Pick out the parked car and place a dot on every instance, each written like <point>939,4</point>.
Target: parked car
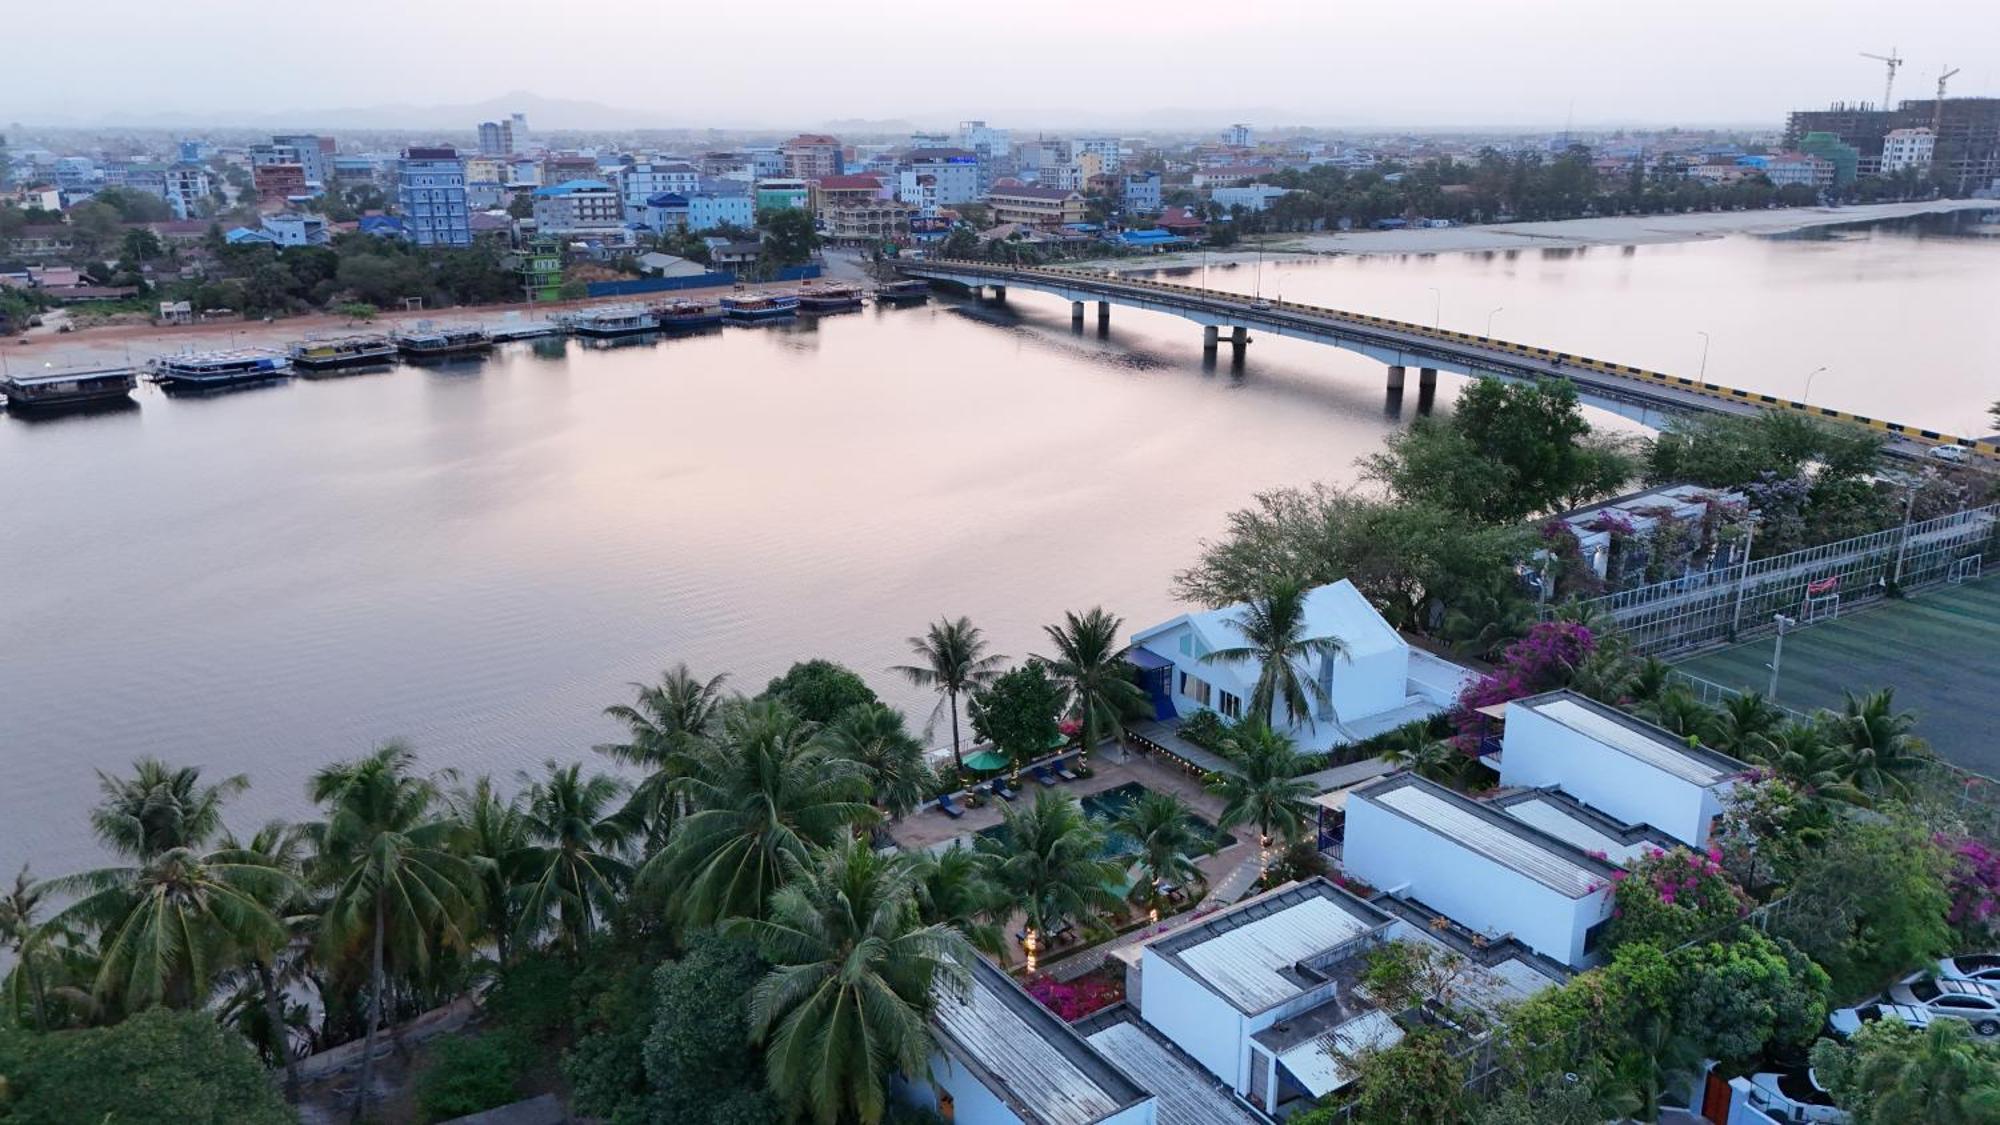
<point>1847,1021</point>
<point>1971,966</point>
<point>1955,454</point>
<point>1975,1002</point>
<point>1794,1097</point>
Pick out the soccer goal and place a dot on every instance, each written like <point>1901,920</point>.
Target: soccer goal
<point>1964,570</point>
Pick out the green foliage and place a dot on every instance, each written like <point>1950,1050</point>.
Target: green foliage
<point>1740,997</point>
<point>1811,481</point>
<point>960,243</point>
<point>697,1061</point>
<point>1205,728</point>
<point>533,996</point>
<point>1018,712</point>
<point>155,1066</point>
<point>819,691</point>
<point>1418,1081</point>
<point>1667,898</point>
<point>1090,666</point>
<point>1265,790</point>
<point>951,660</point>
<point>789,236</point>
<point>356,310</point>
<point>899,776</point>
<point>1047,864</point>
<point>1870,901</point>
<point>470,1073</point>
<point>1273,632</point>
<point>1891,1073</point>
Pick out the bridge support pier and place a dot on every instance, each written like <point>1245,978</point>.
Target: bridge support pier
<point>1076,314</point>
<point>1239,339</point>
<point>1208,340</point>
<point>1427,380</point>
<point>1396,377</point>
<point>1103,315</point>
<point>999,294</point>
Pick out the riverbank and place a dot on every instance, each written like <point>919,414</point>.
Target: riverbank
<point>1622,230</point>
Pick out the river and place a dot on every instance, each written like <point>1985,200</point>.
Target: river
<point>479,559</point>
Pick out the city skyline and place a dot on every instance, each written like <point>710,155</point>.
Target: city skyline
<point>1437,64</point>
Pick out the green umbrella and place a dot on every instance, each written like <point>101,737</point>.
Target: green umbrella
<point>987,760</point>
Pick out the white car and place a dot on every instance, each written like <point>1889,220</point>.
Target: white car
<point>1975,1002</point>
<point>1955,454</point>
<point>1265,306</point>
<point>1795,1098</point>
<point>1847,1021</point>
<point>1971,966</point>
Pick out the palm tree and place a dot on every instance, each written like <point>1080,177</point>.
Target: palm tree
<point>1411,747</point>
<point>664,724</point>
<point>764,790</point>
<point>853,980</point>
<point>1265,790</point>
<point>1274,632</point>
<point>281,847</point>
<point>496,836</point>
<point>1744,721</point>
<point>1650,680</point>
<point>572,867</point>
<point>873,734</point>
<point>168,927</point>
<point>1884,752</point>
<point>1164,828</point>
<point>1677,710</point>
<point>953,661</point>
<point>160,808</point>
<point>20,934</point>
<point>1090,664</point>
<point>397,870</point>
<point>1049,863</point>
<point>953,890</point>
<point>1802,752</point>
<point>1608,674</point>
<point>1939,1081</point>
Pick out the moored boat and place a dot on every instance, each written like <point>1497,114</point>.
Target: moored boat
<point>685,315</point>
<point>836,297</point>
<point>612,320</point>
<point>204,371</point>
<point>342,351</point>
<point>432,342</point>
<point>65,390</point>
<point>907,291</point>
<point>752,307</point>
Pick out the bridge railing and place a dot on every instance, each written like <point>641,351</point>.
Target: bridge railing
<point>1915,434</point>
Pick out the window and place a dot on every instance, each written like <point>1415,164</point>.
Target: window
<point>1195,689</point>
<point>1231,707</point>
<point>1594,936</point>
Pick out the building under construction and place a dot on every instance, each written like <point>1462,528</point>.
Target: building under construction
<point>1967,154</point>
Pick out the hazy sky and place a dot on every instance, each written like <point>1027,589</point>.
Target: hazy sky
<point>1020,63</point>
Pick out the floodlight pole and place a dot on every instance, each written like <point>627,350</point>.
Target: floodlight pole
<point>1777,654</point>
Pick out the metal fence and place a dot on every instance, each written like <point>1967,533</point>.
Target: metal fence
<point>1682,614</point>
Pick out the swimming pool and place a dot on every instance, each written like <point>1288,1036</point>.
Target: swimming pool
<point>1107,806</point>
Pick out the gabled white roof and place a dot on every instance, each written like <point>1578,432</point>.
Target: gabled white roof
<point>1248,962</point>
<point>1324,1063</point>
<point>1335,610</point>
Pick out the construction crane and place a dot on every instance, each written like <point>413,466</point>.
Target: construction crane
<point>1937,111</point>
<point>1892,61</point>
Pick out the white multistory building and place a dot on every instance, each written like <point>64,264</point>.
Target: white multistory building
<point>1908,148</point>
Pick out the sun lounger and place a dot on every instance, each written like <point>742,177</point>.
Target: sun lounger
<point>1003,790</point>
<point>946,806</point>
<point>1063,771</point>
<point>1043,775</point>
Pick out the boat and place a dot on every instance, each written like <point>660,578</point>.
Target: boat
<point>612,320</point>
<point>753,307</point>
<point>65,390</point>
<point>342,351</point>
<point>837,297</point>
<point>427,341</point>
<point>908,291</point>
<point>686,316</point>
<point>207,371</point>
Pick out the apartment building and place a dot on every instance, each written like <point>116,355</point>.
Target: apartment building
<point>578,207</point>
<point>811,156</point>
<point>430,195</point>
<point>1046,208</point>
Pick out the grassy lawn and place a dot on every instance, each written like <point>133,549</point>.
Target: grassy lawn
<point>1939,651</point>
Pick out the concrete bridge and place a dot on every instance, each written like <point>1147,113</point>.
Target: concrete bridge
<point>1228,318</point>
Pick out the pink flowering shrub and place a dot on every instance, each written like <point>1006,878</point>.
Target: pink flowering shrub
<point>1975,887</point>
<point>1666,898</point>
<point>1543,660</point>
<point>1071,1000</point>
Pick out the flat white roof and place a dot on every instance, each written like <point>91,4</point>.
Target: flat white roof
<point>1491,833</point>
<point>1564,825</point>
<point>1245,963</point>
<point>1662,754</point>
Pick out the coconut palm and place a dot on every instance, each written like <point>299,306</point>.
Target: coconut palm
<point>1608,673</point>
<point>664,723</point>
<point>953,889</point>
<point>572,868</point>
<point>763,790</point>
<point>1276,636</point>
<point>1744,721</point>
<point>1049,863</point>
<point>160,808</point>
<point>1090,664</point>
<point>873,734</point>
<point>1884,754</point>
<point>1940,1081</point>
<point>273,965</point>
<point>952,661</point>
<point>22,936</point>
<point>1677,710</point>
<point>496,836</point>
<point>854,976</point>
<point>1803,752</point>
<point>1164,828</point>
<point>1411,747</point>
<point>1264,790</point>
<point>397,871</point>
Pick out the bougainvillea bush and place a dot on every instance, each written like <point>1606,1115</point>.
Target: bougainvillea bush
<point>1543,660</point>
<point>1667,898</point>
<point>1975,889</point>
<point>1071,1000</point>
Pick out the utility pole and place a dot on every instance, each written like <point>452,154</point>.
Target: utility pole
<point>1743,574</point>
<point>1777,654</point>
<point>1903,543</point>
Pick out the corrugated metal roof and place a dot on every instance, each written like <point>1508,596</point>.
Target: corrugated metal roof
<point>1322,1064</point>
<point>1026,1060</point>
<point>1500,838</point>
<point>1660,754</point>
<point>1243,963</point>
<point>1559,822</point>
<point>1187,1095</point>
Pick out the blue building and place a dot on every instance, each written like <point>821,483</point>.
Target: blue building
<point>1142,192</point>
<point>430,194</point>
<point>710,208</point>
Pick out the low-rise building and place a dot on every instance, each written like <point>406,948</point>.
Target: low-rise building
<point>955,172</point>
<point>834,191</point>
<point>776,193</point>
<point>869,221</point>
<point>1250,197</point>
<point>1142,192</point>
<point>639,183</point>
<point>1908,148</point>
<point>292,228</point>
<point>576,207</point>
<point>711,208</point>
<point>279,181</point>
<point>1041,207</point>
